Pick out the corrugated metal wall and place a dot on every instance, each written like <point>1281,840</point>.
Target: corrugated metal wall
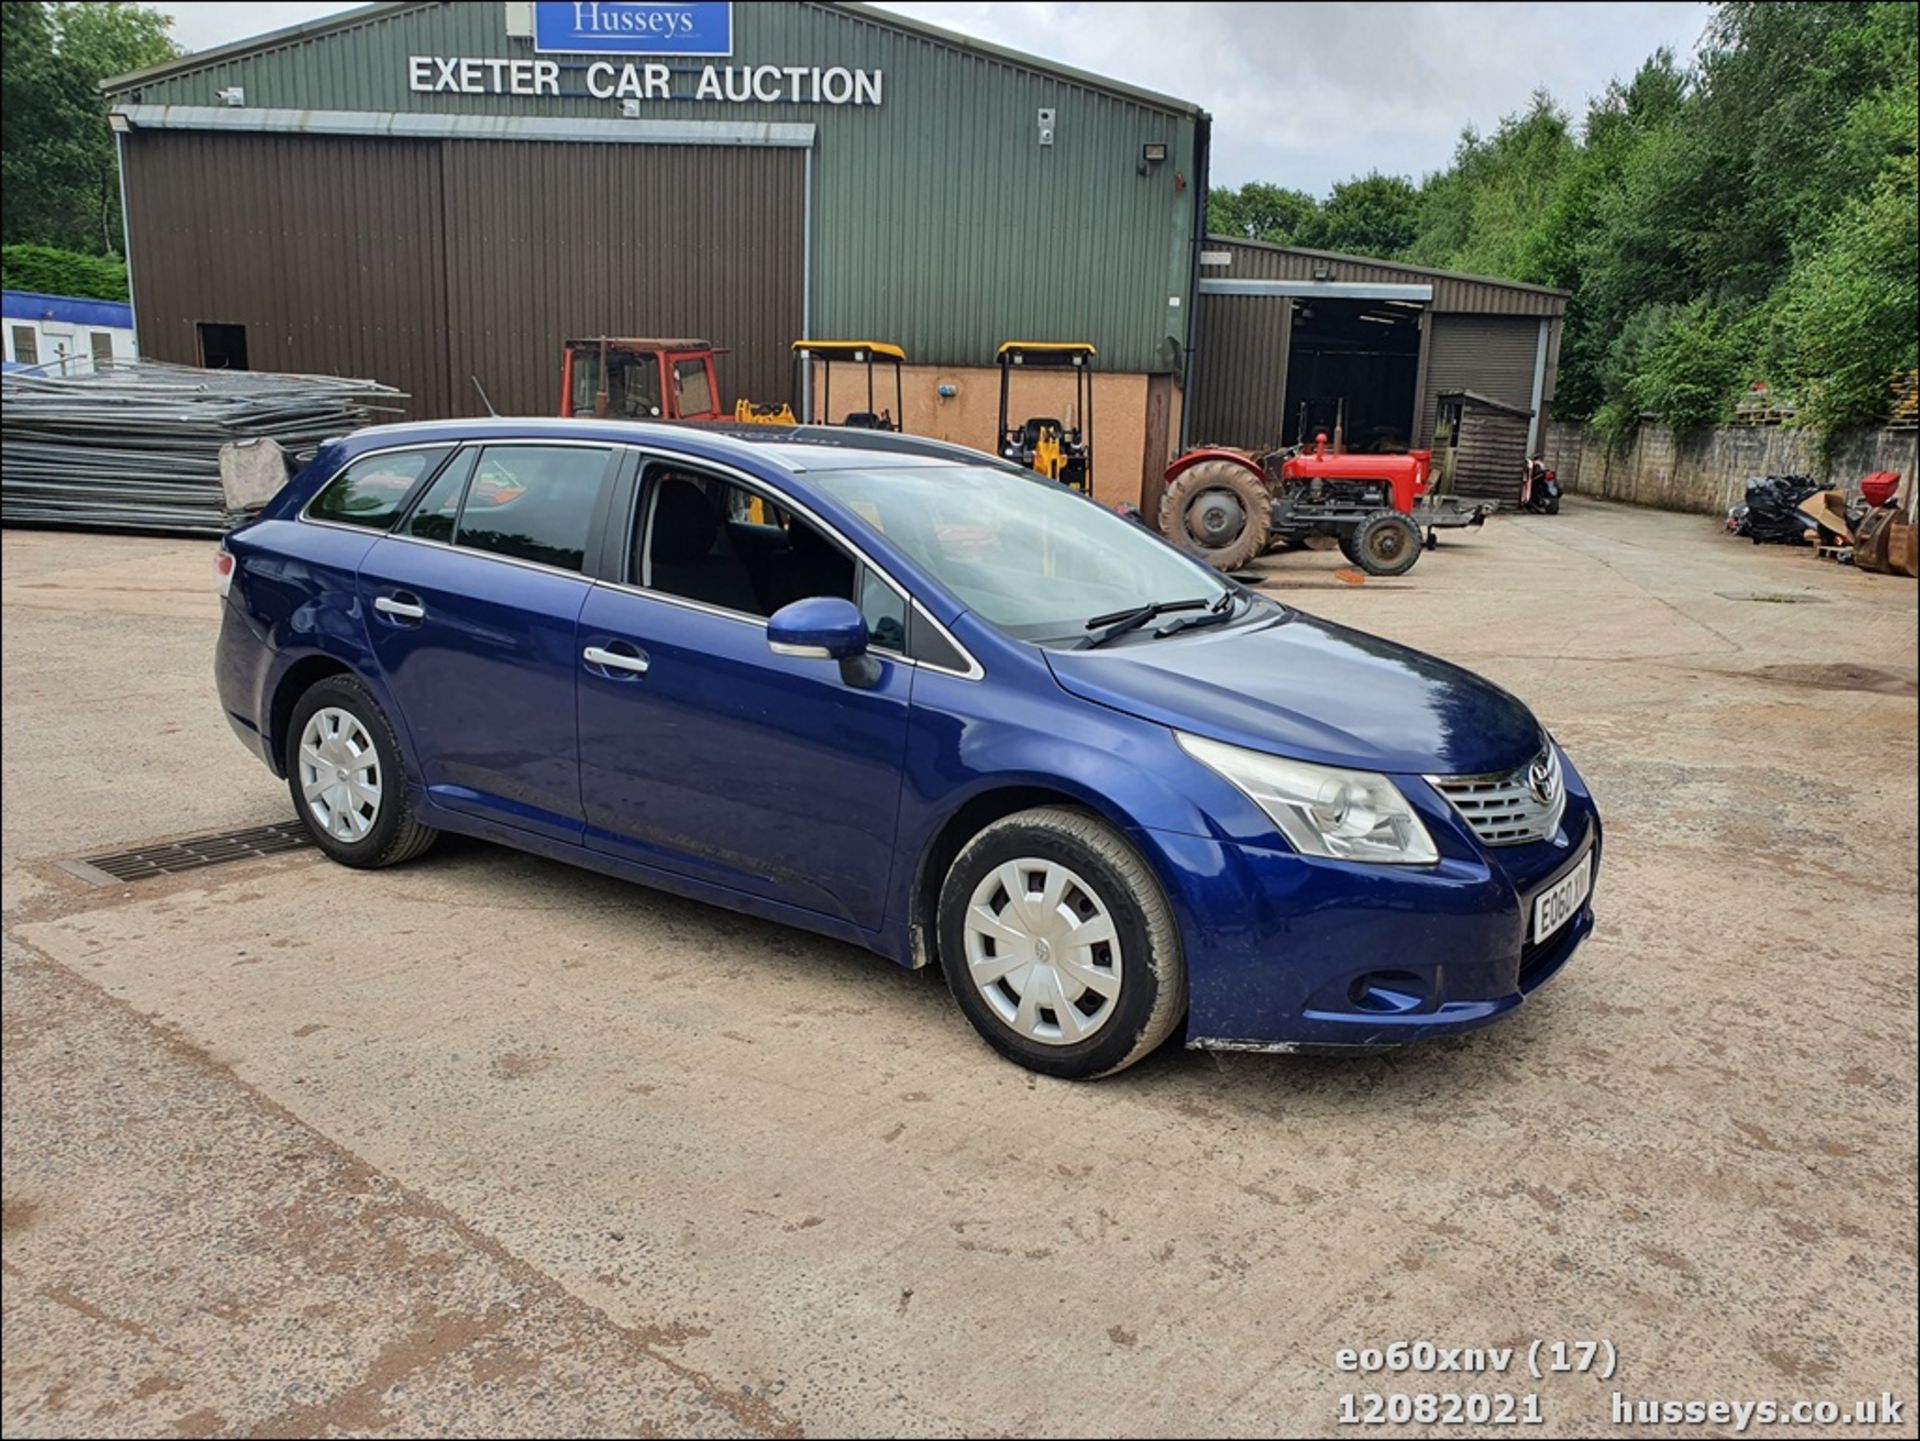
<point>1239,375</point>
<point>333,262</point>
<point>1492,355</point>
<point>940,222</point>
<point>426,263</point>
<point>547,240</point>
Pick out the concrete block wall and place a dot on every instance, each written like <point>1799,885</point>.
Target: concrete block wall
<point>1706,471</point>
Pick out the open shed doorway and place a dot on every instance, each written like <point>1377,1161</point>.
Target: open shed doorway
<point>1353,368</point>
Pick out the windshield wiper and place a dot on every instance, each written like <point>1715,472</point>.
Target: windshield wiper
<point>1219,613</point>
<point>1119,622</point>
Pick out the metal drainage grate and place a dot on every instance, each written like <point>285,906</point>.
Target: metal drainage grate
<point>193,853</point>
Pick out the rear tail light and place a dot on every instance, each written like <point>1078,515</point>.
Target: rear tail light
<point>223,570</point>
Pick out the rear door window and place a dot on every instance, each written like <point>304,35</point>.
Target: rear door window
<point>371,490</point>
<point>534,502</point>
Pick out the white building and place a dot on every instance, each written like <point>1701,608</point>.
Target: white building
<point>62,334</point>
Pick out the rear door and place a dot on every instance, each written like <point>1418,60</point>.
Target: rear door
<point>704,753</point>
<point>471,605</point>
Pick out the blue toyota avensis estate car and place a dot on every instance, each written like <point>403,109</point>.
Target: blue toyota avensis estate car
<point>897,693</point>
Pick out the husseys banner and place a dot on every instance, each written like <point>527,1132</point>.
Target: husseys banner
<point>610,27</point>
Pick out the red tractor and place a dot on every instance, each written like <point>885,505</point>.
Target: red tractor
<point>639,378</point>
<point>1228,506</point>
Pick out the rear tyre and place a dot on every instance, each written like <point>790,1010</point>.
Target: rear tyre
<point>1552,506</point>
<point>1347,548</point>
<point>348,786</point>
<point>1219,511</point>
<point>1059,945</point>
<point>1387,543</point>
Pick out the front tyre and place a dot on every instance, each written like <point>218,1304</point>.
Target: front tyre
<point>1060,946</point>
<point>343,768</point>
<point>1386,543</point>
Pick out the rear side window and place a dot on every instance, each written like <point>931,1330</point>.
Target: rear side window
<point>533,502</point>
<point>370,491</point>
<point>436,510</point>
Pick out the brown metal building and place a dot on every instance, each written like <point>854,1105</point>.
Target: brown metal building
<point>1292,341</point>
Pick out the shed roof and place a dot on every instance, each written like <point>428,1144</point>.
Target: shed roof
<point>1486,402</point>
<point>1452,290</point>
<point>364,14</point>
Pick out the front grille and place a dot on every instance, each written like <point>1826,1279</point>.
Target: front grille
<point>1514,808</point>
<point>199,851</point>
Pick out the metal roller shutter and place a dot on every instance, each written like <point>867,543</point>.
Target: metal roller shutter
<point>1492,355</point>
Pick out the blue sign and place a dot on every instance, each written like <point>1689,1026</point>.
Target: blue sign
<point>616,27</point>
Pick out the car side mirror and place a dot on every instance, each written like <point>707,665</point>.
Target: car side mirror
<point>825,627</point>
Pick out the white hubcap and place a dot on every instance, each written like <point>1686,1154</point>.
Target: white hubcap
<point>1043,951</point>
<point>340,774</point>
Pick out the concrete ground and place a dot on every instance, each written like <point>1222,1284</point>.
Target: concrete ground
<point>487,1145</point>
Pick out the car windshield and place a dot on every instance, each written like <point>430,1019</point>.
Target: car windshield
<point>1033,558</point>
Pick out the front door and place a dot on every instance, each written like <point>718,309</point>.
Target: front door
<point>701,751</point>
<point>471,605</point>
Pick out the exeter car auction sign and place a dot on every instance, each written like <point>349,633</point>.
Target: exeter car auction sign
<point>602,27</point>
<point>653,80</point>
<point>584,27</point>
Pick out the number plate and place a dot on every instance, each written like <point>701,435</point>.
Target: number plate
<point>1561,901</point>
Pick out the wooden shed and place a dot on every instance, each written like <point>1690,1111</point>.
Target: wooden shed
<point>1480,446</point>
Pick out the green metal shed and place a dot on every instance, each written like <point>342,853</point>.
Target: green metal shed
<point>425,192</point>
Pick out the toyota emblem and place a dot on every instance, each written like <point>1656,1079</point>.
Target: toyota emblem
<point>1542,781</point>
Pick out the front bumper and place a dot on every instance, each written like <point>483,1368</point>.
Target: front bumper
<point>1292,954</point>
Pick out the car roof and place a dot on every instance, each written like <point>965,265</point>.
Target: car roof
<point>794,448</point>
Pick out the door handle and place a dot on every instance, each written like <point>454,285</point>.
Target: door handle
<point>392,605</point>
<point>615,660</point>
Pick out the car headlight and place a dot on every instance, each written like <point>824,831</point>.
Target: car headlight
<point>1323,810</point>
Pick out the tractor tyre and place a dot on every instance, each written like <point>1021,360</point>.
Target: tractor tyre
<point>1347,547</point>
<point>1386,543</point>
<point>1218,511</point>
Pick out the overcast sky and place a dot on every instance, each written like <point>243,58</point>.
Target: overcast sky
<point>1301,95</point>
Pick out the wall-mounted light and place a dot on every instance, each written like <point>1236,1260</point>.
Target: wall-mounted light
<point>1154,152</point>
<point>232,95</point>
<point>118,123</point>
<point>630,109</point>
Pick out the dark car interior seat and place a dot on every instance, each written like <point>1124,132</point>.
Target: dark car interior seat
<point>809,566</point>
<point>687,554</point>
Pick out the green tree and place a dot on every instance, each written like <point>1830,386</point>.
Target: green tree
<point>1375,215</point>
<point>1690,369</point>
<point>1257,211</point>
<point>59,183</point>
<point>1843,320</point>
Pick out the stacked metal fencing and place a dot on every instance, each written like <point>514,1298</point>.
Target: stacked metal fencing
<point>136,446</point>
